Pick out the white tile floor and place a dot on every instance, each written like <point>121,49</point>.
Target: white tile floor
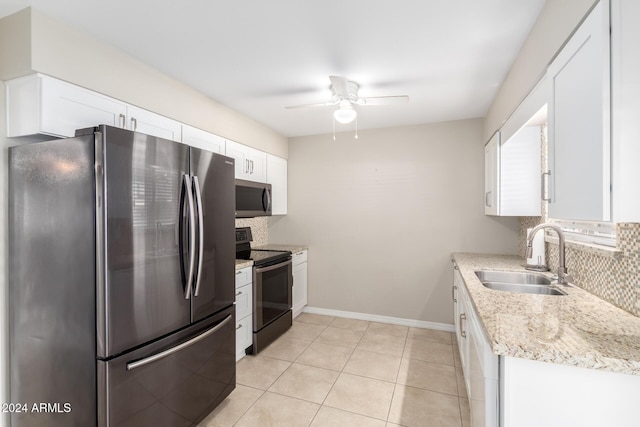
<point>329,371</point>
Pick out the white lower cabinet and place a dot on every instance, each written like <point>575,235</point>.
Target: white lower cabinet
<point>512,392</point>
<point>538,394</point>
<point>479,364</point>
<point>299,281</point>
<point>244,311</point>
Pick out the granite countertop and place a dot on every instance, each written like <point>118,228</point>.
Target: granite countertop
<point>242,263</point>
<point>577,329</point>
<point>277,247</point>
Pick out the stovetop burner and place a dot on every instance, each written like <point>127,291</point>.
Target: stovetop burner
<point>259,257</point>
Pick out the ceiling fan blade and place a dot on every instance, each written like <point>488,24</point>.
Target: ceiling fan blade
<point>319,104</point>
<point>383,100</point>
<point>339,86</point>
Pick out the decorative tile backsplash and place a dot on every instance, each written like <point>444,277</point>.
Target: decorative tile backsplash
<point>259,229</point>
<point>615,279</point>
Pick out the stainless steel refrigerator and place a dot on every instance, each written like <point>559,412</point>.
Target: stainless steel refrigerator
<point>121,280</point>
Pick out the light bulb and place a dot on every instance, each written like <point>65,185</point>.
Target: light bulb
<point>345,114</point>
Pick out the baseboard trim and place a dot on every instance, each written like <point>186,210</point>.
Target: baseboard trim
<point>382,319</point>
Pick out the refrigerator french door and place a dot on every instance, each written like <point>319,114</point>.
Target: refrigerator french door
<point>121,279</point>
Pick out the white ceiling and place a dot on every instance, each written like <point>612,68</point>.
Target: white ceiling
<point>449,56</point>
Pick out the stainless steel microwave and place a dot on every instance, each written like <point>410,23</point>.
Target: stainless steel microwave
<point>252,199</point>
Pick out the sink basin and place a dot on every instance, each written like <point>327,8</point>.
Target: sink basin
<point>523,289</point>
<point>519,282</point>
<point>516,277</point>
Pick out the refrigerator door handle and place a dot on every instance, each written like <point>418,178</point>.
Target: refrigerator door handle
<point>192,236</point>
<point>173,350</point>
<point>196,187</point>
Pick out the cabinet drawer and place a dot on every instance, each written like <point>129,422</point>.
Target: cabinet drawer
<point>244,301</point>
<point>244,336</point>
<point>299,257</point>
<point>243,276</point>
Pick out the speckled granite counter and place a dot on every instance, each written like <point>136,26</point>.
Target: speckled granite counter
<point>241,263</point>
<point>275,247</point>
<point>578,329</point>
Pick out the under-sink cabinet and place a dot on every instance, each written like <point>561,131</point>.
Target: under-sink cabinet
<point>508,391</point>
<point>244,310</point>
<point>479,364</point>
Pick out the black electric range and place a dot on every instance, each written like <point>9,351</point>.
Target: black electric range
<point>272,290</point>
<point>260,257</point>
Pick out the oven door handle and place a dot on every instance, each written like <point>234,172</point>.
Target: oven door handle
<point>273,267</point>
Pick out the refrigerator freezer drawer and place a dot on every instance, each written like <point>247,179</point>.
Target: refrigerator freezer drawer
<point>174,382</point>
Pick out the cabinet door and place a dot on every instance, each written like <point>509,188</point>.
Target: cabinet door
<point>144,121</point>
<point>237,151</point>
<point>251,164</point>
<point>42,105</point>
<point>299,287</point>
<point>257,164</point>
<point>244,301</point>
<point>204,140</point>
<point>579,116</point>
<point>244,336</point>
<point>492,175</point>
<point>277,177</point>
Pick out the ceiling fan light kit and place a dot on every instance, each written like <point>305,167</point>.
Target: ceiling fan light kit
<point>345,114</point>
<point>345,96</point>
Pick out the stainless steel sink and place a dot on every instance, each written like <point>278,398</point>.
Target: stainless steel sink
<point>519,282</point>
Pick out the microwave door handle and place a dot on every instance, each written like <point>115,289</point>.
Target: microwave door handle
<point>196,187</point>
<point>265,195</point>
<point>192,236</point>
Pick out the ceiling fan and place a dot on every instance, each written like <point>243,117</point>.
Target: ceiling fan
<point>345,97</point>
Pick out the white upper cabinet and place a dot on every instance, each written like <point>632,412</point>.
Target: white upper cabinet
<point>513,173</point>
<point>149,123</point>
<point>492,175</point>
<point>251,164</point>
<point>200,139</point>
<point>625,99</point>
<point>38,104</point>
<point>277,177</point>
<point>579,123</point>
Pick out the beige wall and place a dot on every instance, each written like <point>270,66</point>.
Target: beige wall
<point>63,52</point>
<point>382,215</point>
<point>554,25</point>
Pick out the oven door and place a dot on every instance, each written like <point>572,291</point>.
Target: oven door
<point>272,291</point>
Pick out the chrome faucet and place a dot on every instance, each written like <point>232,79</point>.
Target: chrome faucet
<point>562,269</point>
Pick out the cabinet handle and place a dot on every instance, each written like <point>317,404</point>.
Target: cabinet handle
<point>487,199</point>
<point>239,326</point>
<point>300,253</point>
<point>462,317</point>
<point>544,181</point>
<point>239,293</point>
<point>251,166</point>
<point>453,293</point>
<point>238,272</point>
<point>123,121</point>
<point>246,166</point>
<point>134,123</point>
